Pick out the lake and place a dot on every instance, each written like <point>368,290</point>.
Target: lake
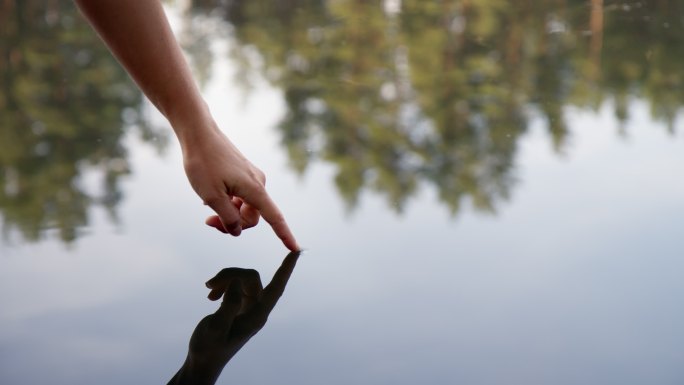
<point>487,192</point>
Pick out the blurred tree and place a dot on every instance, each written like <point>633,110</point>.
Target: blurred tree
<point>642,52</point>
<point>65,105</point>
<point>399,94</point>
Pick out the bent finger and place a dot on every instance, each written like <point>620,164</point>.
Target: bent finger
<point>232,302</point>
<point>215,222</point>
<point>228,214</point>
<point>250,282</point>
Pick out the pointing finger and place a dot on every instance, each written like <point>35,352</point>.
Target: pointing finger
<point>260,200</point>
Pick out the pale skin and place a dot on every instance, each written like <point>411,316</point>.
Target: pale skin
<point>138,34</point>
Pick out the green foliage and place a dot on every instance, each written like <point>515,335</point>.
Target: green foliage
<point>440,93</point>
<point>436,96</point>
<point>63,103</point>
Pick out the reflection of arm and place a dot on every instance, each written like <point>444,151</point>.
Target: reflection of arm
<point>243,312</point>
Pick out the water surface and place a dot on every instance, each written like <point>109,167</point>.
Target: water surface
<point>489,193</point>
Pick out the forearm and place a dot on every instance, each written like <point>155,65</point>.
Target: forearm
<point>138,34</point>
<point>188,374</point>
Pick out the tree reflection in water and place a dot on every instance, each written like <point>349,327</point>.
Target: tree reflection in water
<point>398,93</point>
<point>65,107</point>
<point>395,94</point>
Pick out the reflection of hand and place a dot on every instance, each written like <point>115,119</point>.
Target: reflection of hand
<point>243,312</point>
<point>231,186</point>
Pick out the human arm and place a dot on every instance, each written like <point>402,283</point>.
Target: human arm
<point>138,34</point>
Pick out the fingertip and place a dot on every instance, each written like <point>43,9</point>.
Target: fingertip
<point>283,232</point>
<point>290,243</point>
<point>233,228</point>
<point>214,294</point>
<point>235,231</point>
<point>213,281</point>
<point>294,246</point>
<point>227,218</point>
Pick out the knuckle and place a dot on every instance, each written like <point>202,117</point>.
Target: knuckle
<point>227,272</point>
<point>257,177</point>
<point>260,175</point>
<point>251,223</point>
<point>253,274</point>
<point>212,199</point>
<point>257,187</point>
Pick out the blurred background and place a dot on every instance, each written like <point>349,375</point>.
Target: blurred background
<point>488,192</point>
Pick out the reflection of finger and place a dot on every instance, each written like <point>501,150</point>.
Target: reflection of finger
<point>212,282</point>
<point>259,199</point>
<point>223,277</point>
<point>227,213</point>
<point>215,294</point>
<point>274,290</point>
<point>251,282</point>
<point>232,302</point>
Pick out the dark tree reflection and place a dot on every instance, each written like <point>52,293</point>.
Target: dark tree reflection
<point>65,105</point>
<point>402,93</point>
<point>396,94</point>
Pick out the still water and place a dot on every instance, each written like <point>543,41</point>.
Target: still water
<point>488,193</point>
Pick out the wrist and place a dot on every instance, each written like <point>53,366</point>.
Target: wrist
<point>193,374</point>
<point>193,126</point>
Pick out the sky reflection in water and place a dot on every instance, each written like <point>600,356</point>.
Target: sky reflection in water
<point>573,279</point>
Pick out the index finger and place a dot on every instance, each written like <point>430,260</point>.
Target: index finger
<point>260,200</point>
<point>275,289</point>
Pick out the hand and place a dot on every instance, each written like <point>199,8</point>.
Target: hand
<point>243,312</point>
<point>139,35</point>
<point>232,186</point>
